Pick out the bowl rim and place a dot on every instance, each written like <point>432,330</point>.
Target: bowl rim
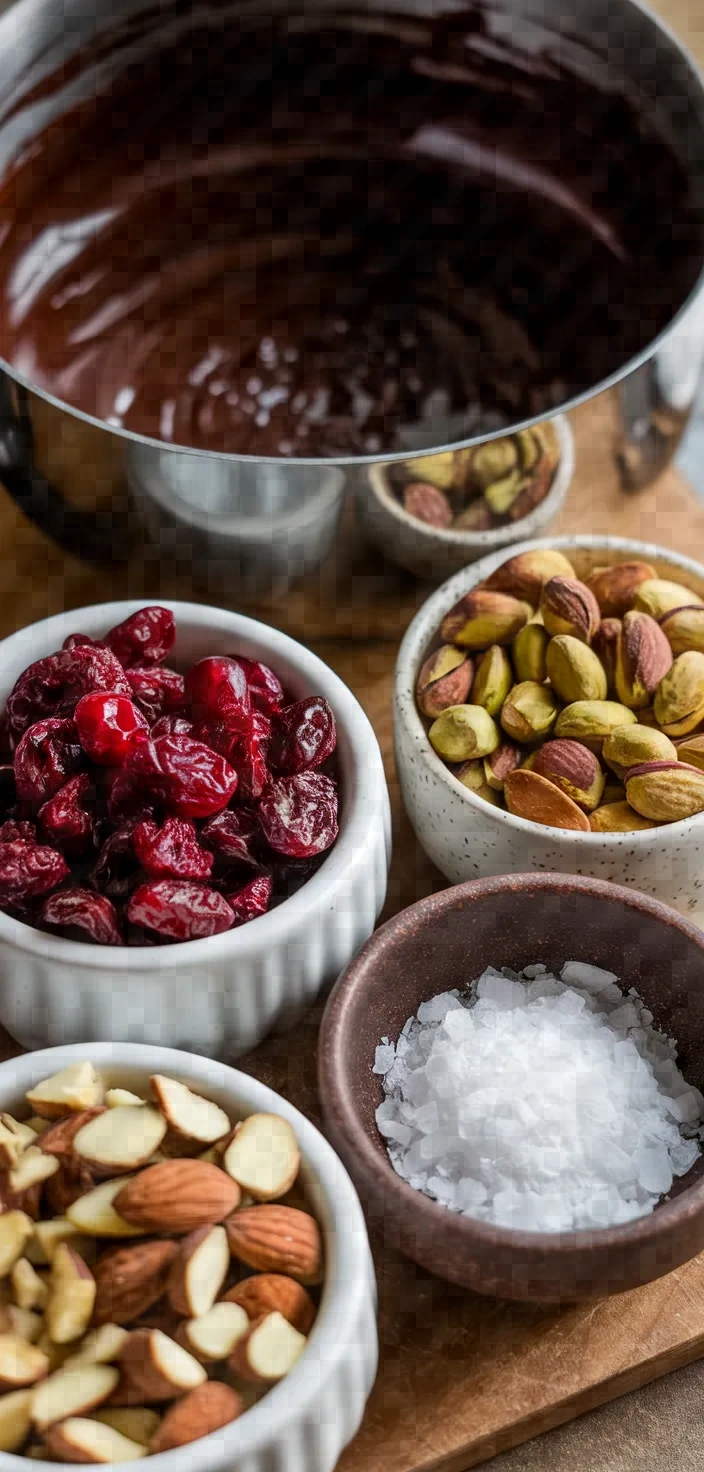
<point>339,1112</point>
<point>360,797</point>
<point>416,639</point>
<point>495,537</point>
<point>349,1281</point>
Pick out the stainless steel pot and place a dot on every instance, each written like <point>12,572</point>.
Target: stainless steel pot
<point>91,487</point>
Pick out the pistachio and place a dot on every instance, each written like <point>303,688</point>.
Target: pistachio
<point>463,731</point>
<point>569,607</point>
<point>494,461</point>
<point>613,791</point>
<point>475,518</point>
<point>605,646</point>
<point>618,817</point>
<point>657,596</point>
<point>684,628</point>
<point>643,658</point>
<point>498,765</point>
<point>691,750</point>
<point>501,494</point>
<point>471,775</point>
<point>667,792</point>
<point>530,449</point>
<point>426,503</point>
<point>493,680</point>
<point>526,574</point>
<point>591,721</point>
<point>529,711</point>
<point>482,618</point>
<point>630,746</point>
<point>531,796</point>
<point>533,489</point>
<point>445,679</point>
<point>528,651</point>
<point>435,470</point>
<point>574,670</point>
<point>647,718</point>
<point>615,587</point>
<point>679,702</point>
<point>574,769</point>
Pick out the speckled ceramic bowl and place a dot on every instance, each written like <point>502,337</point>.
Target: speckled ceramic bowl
<point>468,838</point>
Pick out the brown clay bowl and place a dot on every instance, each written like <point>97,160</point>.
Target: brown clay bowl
<point>447,940</point>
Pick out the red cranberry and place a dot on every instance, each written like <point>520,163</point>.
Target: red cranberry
<point>265,688</point>
<point>173,726</point>
<point>250,757</point>
<point>90,668</point>
<point>28,869</point>
<point>218,737</point>
<point>36,695</point>
<point>299,814</point>
<point>74,641</point>
<point>184,776</point>
<point>218,691</point>
<point>234,835</point>
<point>63,821</point>
<point>146,636</point>
<point>13,829</point>
<point>303,735</point>
<point>82,909</point>
<point>47,754</point>
<point>156,689</point>
<point>116,871</point>
<point>179,910</point>
<point>252,899</point>
<point>129,800</point>
<point>107,726</point>
<point>172,850</point>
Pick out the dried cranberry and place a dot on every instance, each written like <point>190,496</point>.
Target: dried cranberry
<point>13,829</point>
<point>156,690</point>
<point>265,688</point>
<point>48,753</point>
<point>28,869</point>
<point>250,757</point>
<point>74,641</point>
<point>107,726</point>
<point>172,850</point>
<point>234,835</point>
<point>36,695</point>
<point>116,870</point>
<point>129,800</point>
<point>173,726</point>
<point>184,776</point>
<point>146,636</point>
<point>179,910</point>
<point>217,690</point>
<point>91,668</point>
<point>302,736</point>
<point>218,737</point>
<point>252,899</point>
<point>82,909</point>
<point>299,814</point>
<point>64,821</point>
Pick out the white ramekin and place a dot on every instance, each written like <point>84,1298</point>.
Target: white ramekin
<point>468,838</point>
<point>219,995</point>
<point>305,1421</point>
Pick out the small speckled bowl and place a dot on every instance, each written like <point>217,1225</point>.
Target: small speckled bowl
<point>468,838</point>
<point>446,941</point>
<point>434,552</point>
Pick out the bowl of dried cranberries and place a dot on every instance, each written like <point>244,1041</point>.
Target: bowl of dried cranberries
<point>193,827</point>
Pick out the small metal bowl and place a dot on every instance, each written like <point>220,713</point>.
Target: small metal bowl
<point>435,552</point>
<point>446,941</point>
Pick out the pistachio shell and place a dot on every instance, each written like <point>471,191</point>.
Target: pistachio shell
<point>528,651</point>
<point>574,670</point>
<point>445,679</point>
<point>657,596</point>
<point>482,618</point>
<point>667,792</point>
<point>643,657</point>
<point>501,494</point>
<point>530,796</point>
<point>471,775</point>
<point>605,646</point>
<point>591,721</point>
<point>684,628</point>
<point>437,470</point>
<point>630,746</point>
<point>494,461</point>
<point>498,765</point>
<point>679,701</point>
<point>618,817</point>
<point>493,680</point>
<point>569,607</point>
<point>573,768</point>
<point>525,575</point>
<point>691,750</point>
<point>615,587</point>
<point>462,732</point>
<point>529,711</point>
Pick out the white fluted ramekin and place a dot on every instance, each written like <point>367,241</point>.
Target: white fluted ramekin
<point>467,837</point>
<point>302,1424</point>
<point>220,995</point>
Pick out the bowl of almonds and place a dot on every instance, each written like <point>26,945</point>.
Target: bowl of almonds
<point>549,713</point>
<point>184,1268</point>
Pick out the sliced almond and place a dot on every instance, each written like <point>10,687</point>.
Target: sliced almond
<point>72,1293</point>
<point>29,1290</point>
<point>48,1235</point>
<point>138,1423</point>
<point>94,1213</point>
<point>74,1088</point>
<point>72,1392</point>
<point>16,1228</point>
<point>80,1439</point>
<point>20,1128</point>
<point>199,1271</point>
<point>39,1126</point>
<point>269,1351</point>
<point>58,1139</point>
<point>58,1355</point>
<point>15,1419</point>
<point>11,1146</point>
<point>205,1410</point>
<point>178,1196</point>
<point>277,1239</point>
<point>263,1157</point>
<point>157,1368</point>
<point>32,1168</point>
<point>21,1363</point>
<point>65,1187</point>
<point>120,1139</point>
<point>131,1279</point>
<point>266,1293</point>
<point>122,1098</point>
<point>101,1347</point>
<point>213,1336</point>
<point>24,1323</point>
<point>190,1114</point>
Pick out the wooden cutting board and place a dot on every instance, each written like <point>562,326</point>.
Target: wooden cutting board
<point>461,1378</point>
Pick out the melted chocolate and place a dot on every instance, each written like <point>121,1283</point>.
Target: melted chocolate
<point>295,237</point>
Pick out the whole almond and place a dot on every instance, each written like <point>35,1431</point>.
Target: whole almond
<point>197,1414</point>
<point>267,1293</point>
<point>178,1196</point>
<point>278,1239</point>
<point>643,658</point>
<point>615,587</point>
<point>574,769</point>
<point>531,796</point>
<point>130,1280</point>
<point>568,606</point>
<point>525,575</point>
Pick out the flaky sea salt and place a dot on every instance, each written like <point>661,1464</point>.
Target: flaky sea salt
<point>539,1102</point>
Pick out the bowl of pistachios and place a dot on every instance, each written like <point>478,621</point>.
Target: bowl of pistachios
<point>549,714</point>
<point>433,514</point>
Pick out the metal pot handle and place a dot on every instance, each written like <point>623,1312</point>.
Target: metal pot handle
<point>95,536</point>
